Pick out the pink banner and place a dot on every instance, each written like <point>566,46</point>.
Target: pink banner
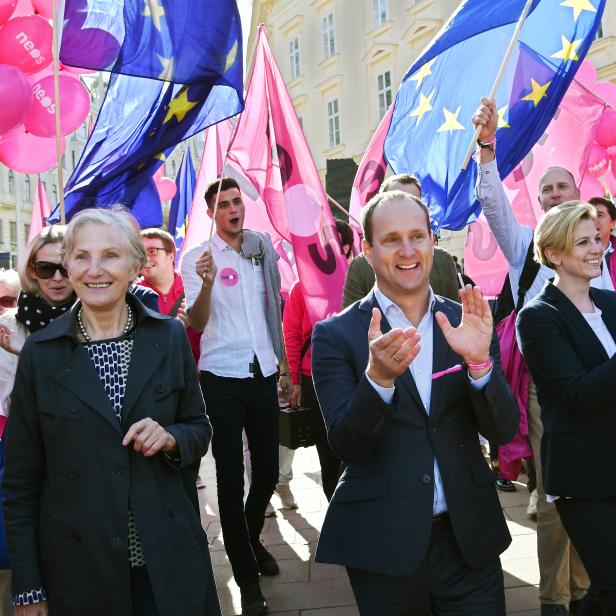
<point>40,210</point>
<point>566,143</point>
<point>371,170</point>
<point>270,148</point>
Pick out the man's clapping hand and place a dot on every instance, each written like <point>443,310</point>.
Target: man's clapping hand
<point>391,353</point>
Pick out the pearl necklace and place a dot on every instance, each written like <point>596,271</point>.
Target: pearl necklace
<point>87,337</point>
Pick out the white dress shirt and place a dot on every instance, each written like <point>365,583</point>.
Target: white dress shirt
<point>237,329</point>
<point>421,370</point>
<point>606,279</point>
<point>513,238</point>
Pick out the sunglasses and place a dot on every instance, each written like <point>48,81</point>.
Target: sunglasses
<point>47,269</point>
<point>8,301</point>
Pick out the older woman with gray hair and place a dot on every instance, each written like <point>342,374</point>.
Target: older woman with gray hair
<point>105,417</point>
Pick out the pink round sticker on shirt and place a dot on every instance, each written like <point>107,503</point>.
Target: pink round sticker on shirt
<point>229,277</point>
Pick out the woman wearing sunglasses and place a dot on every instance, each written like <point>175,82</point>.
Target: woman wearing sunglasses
<point>107,417</point>
<point>46,290</point>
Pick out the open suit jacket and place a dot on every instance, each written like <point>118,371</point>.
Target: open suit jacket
<point>380,516</point>
<point>576,390</point>
<point>68,479</point>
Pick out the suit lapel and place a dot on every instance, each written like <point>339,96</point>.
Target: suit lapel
<point>78,375</point>
<point>148,352</point>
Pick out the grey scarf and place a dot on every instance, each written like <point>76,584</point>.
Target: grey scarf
<point>257,245</point>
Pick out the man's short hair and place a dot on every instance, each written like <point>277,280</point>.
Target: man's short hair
<point>611,208</point>
<point>212,190</point>
<point>345,232</point>
<point>555,230</point>
<point>160,234</point>
<point>401,178</point>
<point>555,168</point>
<point>368,211</point>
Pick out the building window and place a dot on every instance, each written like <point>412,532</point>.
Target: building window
<point>26,232</point>
<point>11,183</point>
<point>13,232</point>
<point>301,121</point>
<point>294,58</point>
<point>73,159</point>
<point>27,189</point>
<point>384,90</point>
<point>379,12</point>
<point>329,36</point>
<point>333,119</point>
<point>173,169</point>
<point>600,34</point>
<point>54,196</point>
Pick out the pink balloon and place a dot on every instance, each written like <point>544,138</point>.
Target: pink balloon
<point>44,8</point>
<point>586,73</point>
<point>6,10</point>
<point>606,133</point>
<point>24,8</point>
<point>25,42</point>
<point>598,161</point>
<point>158,174</point>
<point>74,106</point>
<point>590,187</point>
<point>27,153</point>
<point>15,97</point>
<point>166,188</point>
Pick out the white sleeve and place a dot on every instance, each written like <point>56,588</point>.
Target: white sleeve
<point>512,237</point>
<point>192,281</point>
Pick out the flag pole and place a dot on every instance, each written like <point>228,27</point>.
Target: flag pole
<point>499,76</point>
<point>56,94</point>
<point>342,209</point>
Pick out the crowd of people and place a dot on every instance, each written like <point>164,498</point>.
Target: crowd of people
<point>117,370</point>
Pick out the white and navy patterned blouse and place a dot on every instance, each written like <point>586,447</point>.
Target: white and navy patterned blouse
<point>111,358</point>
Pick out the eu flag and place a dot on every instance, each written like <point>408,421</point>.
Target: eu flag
<point>142,119</point>
<point>182,201</point>
<point>431,125</point>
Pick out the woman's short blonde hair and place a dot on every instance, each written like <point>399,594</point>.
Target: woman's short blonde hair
<point>555,230</point>
<point>48,235</point>
<point>123,223</point>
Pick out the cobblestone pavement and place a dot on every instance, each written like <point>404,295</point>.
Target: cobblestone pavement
<point>307,588</point>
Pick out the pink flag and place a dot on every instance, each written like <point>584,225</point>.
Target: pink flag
<point>566,143</point>
<point>40,210</point>
<point>371,170</point>
<point>271,150</point>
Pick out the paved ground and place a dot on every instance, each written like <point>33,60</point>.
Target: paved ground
<point>307,588</point>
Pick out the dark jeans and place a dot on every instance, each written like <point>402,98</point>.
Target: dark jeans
<point>330,464</point>
<point>591,526</point>
<point>142,596</point>
<point>444,585</point>
<point>233,406</point>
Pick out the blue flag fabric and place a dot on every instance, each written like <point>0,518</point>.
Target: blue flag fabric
<point>431,125</point>
<point>182,202</point>
<point>141,119</point>
<point>184,41</point>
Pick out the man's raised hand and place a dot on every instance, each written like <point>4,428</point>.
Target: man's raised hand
<point>486,116</point>
<point>391,353</point>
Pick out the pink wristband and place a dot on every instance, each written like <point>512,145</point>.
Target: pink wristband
<point>486,364</point>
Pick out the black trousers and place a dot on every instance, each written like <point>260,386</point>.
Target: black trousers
<point>591,526</point>
<point>233,406</point>
<point>330,464</point>
<point>444,585</point>
<point>142,596</point>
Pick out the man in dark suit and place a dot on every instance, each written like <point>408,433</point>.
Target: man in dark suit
<point>415,517</point>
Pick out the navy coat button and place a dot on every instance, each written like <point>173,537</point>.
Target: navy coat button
<point>74,407</point>
<point>75,536</point>
<point>172,513</point>
<point>426,479</point>
<point>73,474</point>
<point>160,388</point>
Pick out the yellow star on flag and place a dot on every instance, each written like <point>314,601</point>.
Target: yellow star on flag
<point>180,231</point>
<point>422,73</point>
<point>539,92</point>
<point>424,106</point>
<point>578,6</point>
<point>451,121</point>
<point>231,57</point>
<point>167,64</point>
<point>502,123</point>
<point>161,156</point>
<point>179,106</point>
<point>569,50</point>
<point>154,10</point>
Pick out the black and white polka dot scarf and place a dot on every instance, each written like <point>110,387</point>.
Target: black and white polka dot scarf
<point>36,313</point>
